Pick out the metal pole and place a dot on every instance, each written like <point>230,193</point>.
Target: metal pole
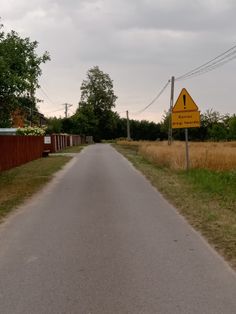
<point>170,111</point>
<point>187,149</point>
<point>128,126</point>
<point>66,110</point>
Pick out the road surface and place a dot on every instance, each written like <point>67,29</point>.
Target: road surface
<point>99,239</point>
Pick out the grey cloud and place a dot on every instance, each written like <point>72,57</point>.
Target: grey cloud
<point>125,37</point>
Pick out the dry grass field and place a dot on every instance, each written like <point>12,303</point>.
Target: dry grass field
<point>219,156</point>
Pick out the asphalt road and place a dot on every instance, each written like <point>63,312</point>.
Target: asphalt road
<point>99,239</point>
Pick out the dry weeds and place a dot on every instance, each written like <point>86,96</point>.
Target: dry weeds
<point>203,155</point>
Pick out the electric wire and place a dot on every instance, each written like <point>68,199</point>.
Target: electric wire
<point>208,69</point>
<point>154,100</point>
<point>45,94</point>
<point>212,64</point>
<point>51,101</point>
<point>54,111</point>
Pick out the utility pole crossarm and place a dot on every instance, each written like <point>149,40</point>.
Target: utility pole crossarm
<point>66,109</point>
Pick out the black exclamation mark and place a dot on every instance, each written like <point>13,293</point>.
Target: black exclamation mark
<point>184,99</point>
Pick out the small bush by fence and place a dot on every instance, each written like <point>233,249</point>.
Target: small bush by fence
<point>17,150</point>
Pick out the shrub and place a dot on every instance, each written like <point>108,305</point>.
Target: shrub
<point>30,131</point>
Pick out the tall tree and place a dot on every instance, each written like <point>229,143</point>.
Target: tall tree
<point>96,103</point>
<point>232,127</point>
<point>19,74</point>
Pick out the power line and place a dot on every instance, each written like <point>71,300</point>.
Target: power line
<point>154,100</point>
<point>45,94</point>
<point>209,68</point>
<point>212,64</point>
<point>54,111</point>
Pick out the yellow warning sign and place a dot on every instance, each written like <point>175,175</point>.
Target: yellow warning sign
<point>184,103</point>
<point>185,113</point>
<point>186,119</point>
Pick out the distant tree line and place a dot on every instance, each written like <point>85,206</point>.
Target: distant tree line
<point>214,127</point>
<point>20,69</point>
<point>96,116</point>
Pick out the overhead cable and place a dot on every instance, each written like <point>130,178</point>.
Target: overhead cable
<point>45,94</point>
<point>214,63</point>
<point>206,70</point>
<point>154,100</point>
<point>54,111</point>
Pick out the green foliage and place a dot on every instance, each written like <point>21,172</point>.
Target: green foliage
<point>145,130</point>
<point>217,132</point>
<point>54,125</point>
<point>94,115</point>
<point>86,120</point>
<point>19,73</point>
<point>97,91</point>
<point>214,127</point>
<point>232,127</point>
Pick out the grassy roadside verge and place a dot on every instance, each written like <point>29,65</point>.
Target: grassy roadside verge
<point>206,198</point>
<point>72,149</point>
<point>21,182</point>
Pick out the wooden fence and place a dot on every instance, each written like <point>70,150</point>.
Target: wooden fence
<point>57,142</point>
<point>17,150</point>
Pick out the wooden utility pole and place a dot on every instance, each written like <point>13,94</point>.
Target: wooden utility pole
<point>32,98</point>
<point>128,126</point>
<point>66,109</point>
<point>170,111</point>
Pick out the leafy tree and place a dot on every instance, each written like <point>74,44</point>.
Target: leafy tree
<point>232,127</point>
<point>214,126</point>
<point>217,132</point>
<point>95,107</point>
<point>85,120</point>
<point>121,128</point>
<point>54,125</point>
<point>210,117</point>
<point>19,73</point>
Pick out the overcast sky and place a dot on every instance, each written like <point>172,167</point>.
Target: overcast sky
<point>139,43</point>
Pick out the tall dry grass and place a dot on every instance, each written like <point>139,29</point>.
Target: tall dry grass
<point>206,155</point>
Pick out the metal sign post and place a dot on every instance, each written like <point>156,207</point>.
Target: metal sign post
<point>187,149</point>
<point>185,114</point>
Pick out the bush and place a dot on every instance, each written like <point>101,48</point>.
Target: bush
<point>30,131</point>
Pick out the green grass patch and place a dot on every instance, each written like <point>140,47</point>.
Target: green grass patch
<point>73,149</point>
<point>218,184</point>
<point>206,198</point>
<point>19,183</point>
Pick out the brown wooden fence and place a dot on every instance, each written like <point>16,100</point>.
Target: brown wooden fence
<point>57,142</point>
<point>17,150</point>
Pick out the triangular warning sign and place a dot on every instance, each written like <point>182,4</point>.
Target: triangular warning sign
<point>184,103</point>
